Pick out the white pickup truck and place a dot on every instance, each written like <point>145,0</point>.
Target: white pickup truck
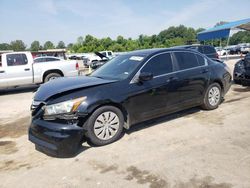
<point>19,68</point>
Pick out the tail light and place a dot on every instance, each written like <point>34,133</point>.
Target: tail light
<point>77,66</point>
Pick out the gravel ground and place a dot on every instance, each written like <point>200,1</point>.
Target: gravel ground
<point>192,148</point>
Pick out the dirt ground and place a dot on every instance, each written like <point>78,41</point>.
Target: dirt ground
<point>189,149</point>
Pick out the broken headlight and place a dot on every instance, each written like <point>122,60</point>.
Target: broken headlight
<point>69,106</point>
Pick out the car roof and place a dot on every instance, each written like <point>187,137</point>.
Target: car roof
<point>193,45</point>
<point>149,52</point>
<point>47,57</point>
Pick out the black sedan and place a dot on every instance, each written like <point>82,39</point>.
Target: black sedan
<point>130,88</point>
<point>242,71</point>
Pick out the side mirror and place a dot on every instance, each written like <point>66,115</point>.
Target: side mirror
<point>145,76</point>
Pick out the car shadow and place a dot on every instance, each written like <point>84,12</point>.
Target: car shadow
<point>81,149</point>
<point>24,89</point>
<point>162,119</point>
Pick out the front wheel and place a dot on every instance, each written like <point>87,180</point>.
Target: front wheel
<point>105,125</point>
<point>212,97</point>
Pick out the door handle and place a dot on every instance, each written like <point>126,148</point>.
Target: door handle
<point>27,69</point>
<point>204,71</point>
<point>172,79</point>
<point>2,71</point>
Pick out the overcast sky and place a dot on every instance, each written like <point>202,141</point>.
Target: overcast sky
<point>66,20</point>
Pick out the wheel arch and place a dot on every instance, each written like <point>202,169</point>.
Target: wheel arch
<point>221,85</point>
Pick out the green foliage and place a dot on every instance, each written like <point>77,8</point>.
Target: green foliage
<point>48,45</point>
<point>61,45</point>
<point>240,37</point>
<point>5,46</point>
<point>35,46</point>
<point>17,45</point>
<point>172,36</point>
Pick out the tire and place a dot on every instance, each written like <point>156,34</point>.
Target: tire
<point>213,97</point>
<point>52,76</point>
<point>104,126</point>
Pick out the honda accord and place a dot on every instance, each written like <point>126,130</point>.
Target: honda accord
<point>131,88</point>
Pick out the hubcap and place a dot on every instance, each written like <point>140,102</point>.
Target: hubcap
<point>214,96</point>
<point>106,125</point>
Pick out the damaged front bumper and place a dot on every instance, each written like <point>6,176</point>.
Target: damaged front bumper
<point>56,139</point>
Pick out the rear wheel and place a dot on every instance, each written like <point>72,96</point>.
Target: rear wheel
<point>105,125</point>
<point>212,97</point>
<point>52,76</point>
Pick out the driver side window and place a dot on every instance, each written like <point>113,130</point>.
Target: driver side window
<point>158,65</point>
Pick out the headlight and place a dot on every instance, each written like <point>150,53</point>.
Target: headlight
<point>63,107</point>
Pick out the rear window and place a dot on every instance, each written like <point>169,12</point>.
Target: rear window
<point>39,60</point>
<point>51,59</point>
<point>209,50</point>
<point>186,60</point>
<point>201,60</point>
<point>16,59</point>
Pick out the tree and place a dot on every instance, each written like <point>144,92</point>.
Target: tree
<point>17,45</point>
<point>89,38</point>
<point>5,46</point>
<point>48,45</point>
<point>240,37</point>
<point>106,42</point>
<point>35,46</point>
<point>61,45</point>
<point>70,45</point>
<point>199,30</point>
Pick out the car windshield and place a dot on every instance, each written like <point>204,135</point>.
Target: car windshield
<point>118,68</point>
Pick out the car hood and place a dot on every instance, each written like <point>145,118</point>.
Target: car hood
<point>62,85</point>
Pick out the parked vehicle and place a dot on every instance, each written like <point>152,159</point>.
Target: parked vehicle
<point>242,71</point>
<point>245,49</point>
<point>89,59</point>
<point>47,59</point>
<point>19,68</point>
<point>221,51</point>
<point>98,58</point>
<point>208,50</point>
<point>128,89</point>
<point>234,49</point>
<point>96,64</point>
<point>108,54</point>
<point>60,53</point>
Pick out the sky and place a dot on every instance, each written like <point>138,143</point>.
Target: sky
<point>66,20</point>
